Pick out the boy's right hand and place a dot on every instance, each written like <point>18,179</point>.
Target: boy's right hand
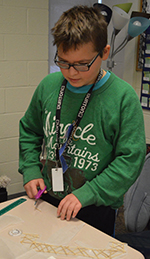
<point>31,187</point>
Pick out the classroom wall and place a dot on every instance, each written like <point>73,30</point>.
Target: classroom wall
<point>23,63</point>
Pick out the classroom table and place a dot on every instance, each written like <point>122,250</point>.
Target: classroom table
<point>26,230</point>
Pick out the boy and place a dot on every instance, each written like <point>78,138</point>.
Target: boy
<point>91,122</point>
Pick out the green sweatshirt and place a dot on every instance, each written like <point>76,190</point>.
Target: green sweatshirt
<point>107,151</point>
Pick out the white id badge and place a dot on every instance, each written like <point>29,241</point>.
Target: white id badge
<point>57,180</point>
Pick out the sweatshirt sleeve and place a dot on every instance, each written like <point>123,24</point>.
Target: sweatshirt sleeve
<point>108,187</point>
<point>31,138</point>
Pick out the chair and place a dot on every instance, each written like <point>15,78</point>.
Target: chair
<point>137,201</point>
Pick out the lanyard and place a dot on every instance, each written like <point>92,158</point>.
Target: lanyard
<point>73,126</point>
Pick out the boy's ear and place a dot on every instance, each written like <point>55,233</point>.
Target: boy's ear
<point>106,52</point>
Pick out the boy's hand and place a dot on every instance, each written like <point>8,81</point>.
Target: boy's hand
<point>69,207</point>
<point>31,187</point>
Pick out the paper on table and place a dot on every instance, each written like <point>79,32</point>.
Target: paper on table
<point>7,220</point>
<point>32,255</point>
<point>5,252</point>
<point>15,248</point>
<point>64,235</point>
<point>12,250</point>
<point>117,252</point>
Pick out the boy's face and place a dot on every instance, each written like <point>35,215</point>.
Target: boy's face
<point>84,54</point>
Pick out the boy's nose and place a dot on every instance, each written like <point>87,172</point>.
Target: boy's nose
<point>73,71</point>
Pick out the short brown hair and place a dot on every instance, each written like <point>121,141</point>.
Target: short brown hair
<point>80,25</point>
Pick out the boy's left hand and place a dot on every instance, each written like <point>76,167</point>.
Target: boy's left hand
<point>69,207</point>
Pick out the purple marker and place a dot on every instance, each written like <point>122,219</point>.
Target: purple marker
<point>39,194</point>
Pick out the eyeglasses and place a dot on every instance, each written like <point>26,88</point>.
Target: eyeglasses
<point>79,67</point>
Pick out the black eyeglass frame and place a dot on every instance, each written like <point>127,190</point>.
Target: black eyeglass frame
<point>75,65</point>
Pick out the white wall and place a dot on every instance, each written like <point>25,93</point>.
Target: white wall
<point>23,63</point>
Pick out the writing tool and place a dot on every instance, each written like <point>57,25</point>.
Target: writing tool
<point>40,192</point>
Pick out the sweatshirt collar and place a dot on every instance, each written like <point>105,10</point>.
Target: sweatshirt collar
<point>85,88</point>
